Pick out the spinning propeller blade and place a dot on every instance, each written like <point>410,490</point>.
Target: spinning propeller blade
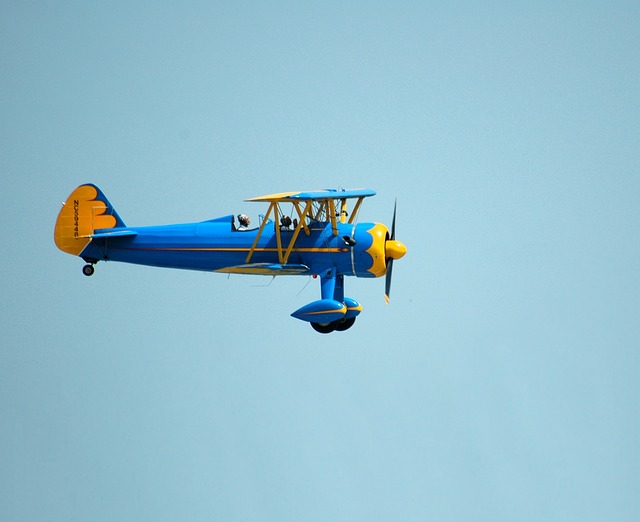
<point>387,286</point>
<point>395,250</point>
<point>393,222</point>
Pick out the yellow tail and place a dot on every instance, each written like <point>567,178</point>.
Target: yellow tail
<point>86,209</point>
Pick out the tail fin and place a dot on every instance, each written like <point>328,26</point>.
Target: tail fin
<point>85,210</point>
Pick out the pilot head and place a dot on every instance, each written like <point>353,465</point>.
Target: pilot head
<point>285,221</point>
<point>244,220</point>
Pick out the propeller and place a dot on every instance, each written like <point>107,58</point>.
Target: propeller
<point>394,250</point>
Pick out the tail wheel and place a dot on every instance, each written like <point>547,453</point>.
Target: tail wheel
<point>88,270</point>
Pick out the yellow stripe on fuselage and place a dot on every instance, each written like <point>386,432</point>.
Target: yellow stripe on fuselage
<point>244,249</point>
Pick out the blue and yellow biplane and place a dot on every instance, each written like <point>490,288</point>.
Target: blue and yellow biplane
<point>302,233</point>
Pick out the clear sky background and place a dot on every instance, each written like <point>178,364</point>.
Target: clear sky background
<point>502,383</point>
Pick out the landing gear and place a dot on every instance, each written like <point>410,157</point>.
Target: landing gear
<point>345,324</point>
<point>337,326</point>
<point>88,270</point>
<point>323,328</point>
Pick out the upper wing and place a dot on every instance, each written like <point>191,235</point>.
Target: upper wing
<point>316,195</point>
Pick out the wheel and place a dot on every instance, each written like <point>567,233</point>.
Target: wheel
<point>88,270</point>
<point>344,324</point>
<point>336,326</point>
<point>323,328</point>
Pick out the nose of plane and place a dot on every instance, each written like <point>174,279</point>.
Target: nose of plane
<point>395,249</point>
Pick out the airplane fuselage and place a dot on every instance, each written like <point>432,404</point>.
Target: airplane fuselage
<point>214,246</point>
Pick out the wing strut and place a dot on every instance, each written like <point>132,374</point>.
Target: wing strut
<point>283,253</point>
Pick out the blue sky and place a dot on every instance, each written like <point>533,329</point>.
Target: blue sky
<point>502,381</point>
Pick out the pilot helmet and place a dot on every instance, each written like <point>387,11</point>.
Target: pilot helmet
<point>244,219</point>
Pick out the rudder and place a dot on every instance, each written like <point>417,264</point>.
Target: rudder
<point>86,209</point>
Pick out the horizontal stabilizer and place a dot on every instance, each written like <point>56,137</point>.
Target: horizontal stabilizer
<point>113,232</point>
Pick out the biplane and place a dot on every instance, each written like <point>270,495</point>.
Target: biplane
<point>302,233</point>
